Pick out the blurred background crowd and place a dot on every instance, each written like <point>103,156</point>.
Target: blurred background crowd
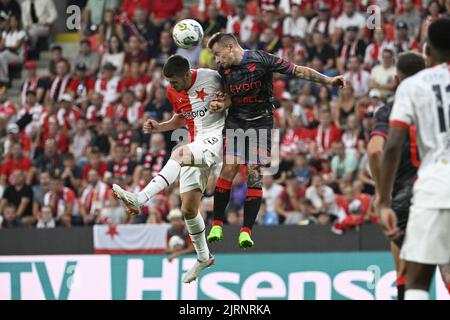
<point>76,129</point>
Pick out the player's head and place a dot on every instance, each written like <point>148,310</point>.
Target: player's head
<point>408,64</point>
<point>225,48</point>
<point>177,71</point>
<point>438,48</point>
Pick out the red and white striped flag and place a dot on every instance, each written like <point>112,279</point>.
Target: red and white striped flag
<point>130,239</point>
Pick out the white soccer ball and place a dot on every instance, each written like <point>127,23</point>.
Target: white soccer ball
<point>187,34</point>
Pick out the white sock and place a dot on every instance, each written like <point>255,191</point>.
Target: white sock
<point>196,229</point>
<point>416,294</point>
<point>165,178</point>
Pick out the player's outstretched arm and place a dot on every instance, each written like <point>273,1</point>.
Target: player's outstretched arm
<point>314,76</point>
<point>152,126</point>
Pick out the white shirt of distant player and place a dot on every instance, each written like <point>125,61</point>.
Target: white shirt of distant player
<point>37,112</point>
<point>424,100</point>
<point>271,195</point>
<point>207,82</point>
<point>359,81</point>
<point>246,29</point>
<point>108,89</point>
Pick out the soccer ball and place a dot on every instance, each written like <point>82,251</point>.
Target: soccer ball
<point>187,34</point>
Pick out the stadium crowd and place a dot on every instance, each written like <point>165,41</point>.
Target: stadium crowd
<point>77,130</point>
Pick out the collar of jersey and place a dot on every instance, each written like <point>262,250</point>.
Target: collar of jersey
<point>244,57</point>
<point>194,77</point>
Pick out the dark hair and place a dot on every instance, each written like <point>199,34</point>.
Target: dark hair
<point>19,22</point>
<point>68,156</point>
<point>439,35</point>
<point>85,41</point>
<point>221,37</point>
<point>56,48</point>
<point>391,52</point>
<point>10,205</point>
<point>120,47</point>
<point>32,92</point>
<point>176,65</point>
<point>410,62</point>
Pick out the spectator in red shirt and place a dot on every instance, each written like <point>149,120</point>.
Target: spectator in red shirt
<point>135,53</point>
<point>68,113</point>
<point>366,201</point>
<point>82,85</point>
<point>62,201</point>
<point>288,205</point>
<point>162,10</point>
<point>15,136</point>
<point>16,161</point>
<point>121,166</point>
<point>135,81</point>
<point>326,134</point>
<point>55,133</point>
<point>130,6</point>
<point>94,162</point>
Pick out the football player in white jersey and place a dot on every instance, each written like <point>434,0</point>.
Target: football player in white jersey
<point>190,92</point>
<point>423,100</point>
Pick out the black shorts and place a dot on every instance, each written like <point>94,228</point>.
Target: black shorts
<point>401,203</point>
<point>249,141</point>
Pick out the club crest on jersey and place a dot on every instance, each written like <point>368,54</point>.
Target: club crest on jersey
<point>251,67</point>
<point>195,114</point>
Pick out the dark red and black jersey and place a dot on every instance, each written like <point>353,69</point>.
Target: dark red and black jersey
<point>250,84</point>
<point>409,162</point>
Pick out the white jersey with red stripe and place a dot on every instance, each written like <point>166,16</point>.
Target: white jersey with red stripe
<point>193,104</point>
<point>424,100</point>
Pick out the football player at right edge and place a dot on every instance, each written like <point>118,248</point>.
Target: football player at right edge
<point>422,100</point>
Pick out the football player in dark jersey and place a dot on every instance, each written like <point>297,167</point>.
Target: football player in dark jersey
<point>408,64</point>
<point>247,76</point>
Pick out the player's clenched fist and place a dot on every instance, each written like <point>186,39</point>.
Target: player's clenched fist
<point>151,126</point>
<point>220,102</point>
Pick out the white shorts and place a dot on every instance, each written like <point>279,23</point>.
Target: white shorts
<point>207,152</point>
<point>192,178</point>
<point>427,237</point>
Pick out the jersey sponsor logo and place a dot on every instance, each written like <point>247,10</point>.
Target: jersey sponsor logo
<point>244,87</point>
<point>244,100</point>
<point>195,114</point>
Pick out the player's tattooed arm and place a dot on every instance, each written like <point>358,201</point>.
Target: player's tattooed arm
<point>314,76</point>
<point>254,177</point>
